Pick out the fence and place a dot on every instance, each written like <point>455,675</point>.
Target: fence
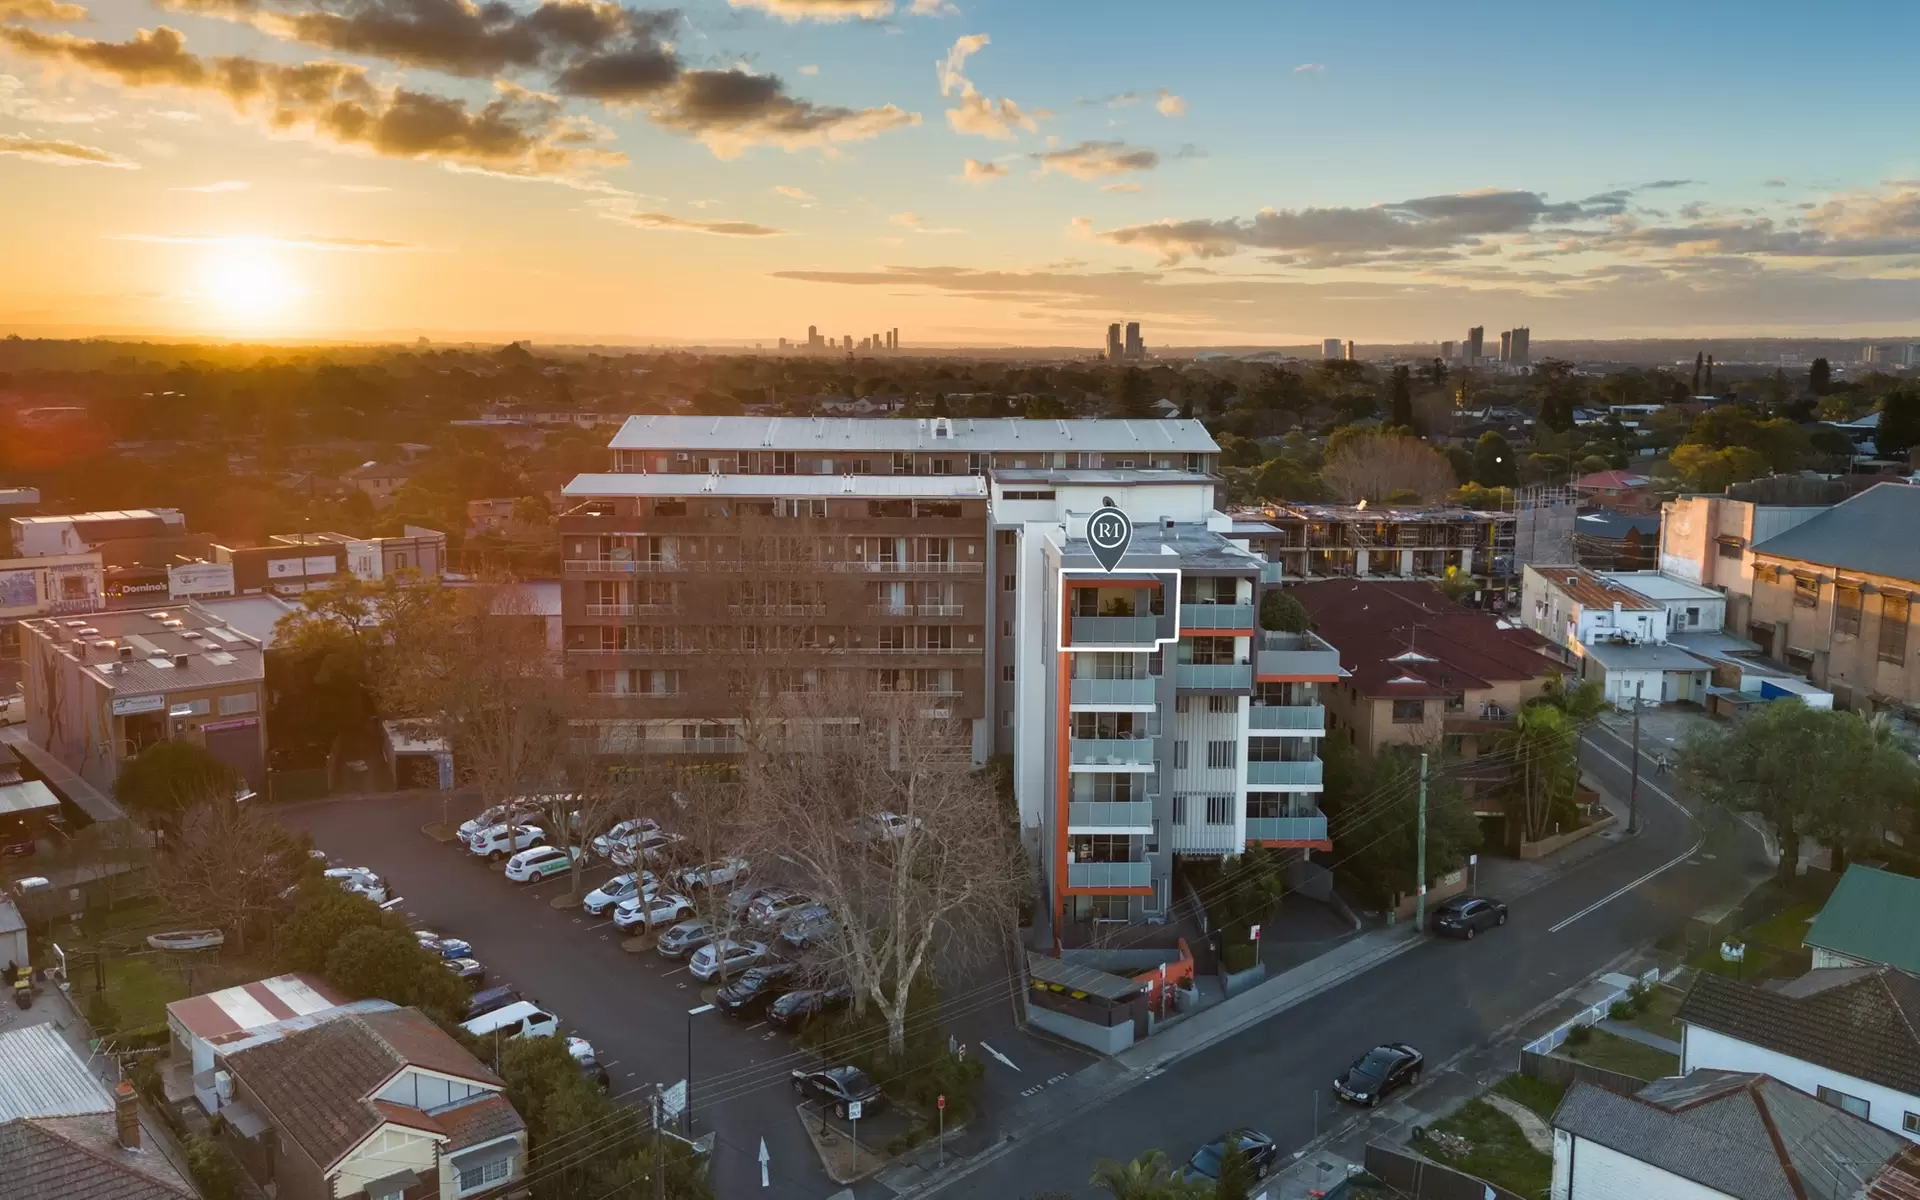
<point>1550,1041</point>
<point>1564,1073</point>
<point>1418,1179</point>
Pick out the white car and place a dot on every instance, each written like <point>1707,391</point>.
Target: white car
<point>724,958</point>
<point>618,889</point>
<point>716,874</point>
<point>541,862</point>
<point>888,826</point>
<point>515,1020</point>
<point>499,814</point>
<point>653,911</point>
<point>361,881</point>
<point>626,831</point>
<point>649,845</point>
<point>498,841</point>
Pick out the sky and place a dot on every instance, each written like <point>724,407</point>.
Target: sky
<point>972,172</point>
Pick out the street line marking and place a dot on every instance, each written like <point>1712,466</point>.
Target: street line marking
<point>1683,856</point>
<point>761,1025</point>
<point>1003,1058</point>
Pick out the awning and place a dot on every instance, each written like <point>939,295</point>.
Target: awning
<point>487,1155</point>
<point>248,1122</point>
<point>27,796</point>
<point>391,1187</point>
<point>1072,977</point>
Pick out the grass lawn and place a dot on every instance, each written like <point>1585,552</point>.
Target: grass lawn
<point>1500,1152</point>
<point>1662,1003</point>
<point>1537,1094</point>
<point>1615,1053</point>
<point>140,986</point>
<point>1773,946</point>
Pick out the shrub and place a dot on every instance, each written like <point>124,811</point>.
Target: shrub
<point>1579,1035</point>
<point>1240,956</point>
<point>213,1170</point>
<point>1621,1010</point>
<point>1280,612</point>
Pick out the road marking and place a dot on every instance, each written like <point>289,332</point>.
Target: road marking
<point>763,1163</point>
<point>1003,1058</point>
<point>761,1025</point>
<point>1683,856</point>
<point>1646,783</point>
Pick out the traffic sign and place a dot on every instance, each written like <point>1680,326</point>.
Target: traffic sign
<point>1256,933</point>
<point>853,1110</point>
<point>941,1102</point>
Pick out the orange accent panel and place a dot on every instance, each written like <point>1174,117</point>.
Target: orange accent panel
<point>1233,633</point>
<point>1322,845</point>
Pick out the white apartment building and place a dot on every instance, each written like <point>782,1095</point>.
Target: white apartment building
<point>1618,633</point>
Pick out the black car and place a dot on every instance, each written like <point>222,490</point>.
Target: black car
<point>752,990</point>
<point>683,939</point>
<point>1262,1155</point>
<point>1464,916</point>
<point>491,999</point>
<point>468,970</point>
<point>1378,1072</point>
<point>839,1086</point>
<point>795,1009</point>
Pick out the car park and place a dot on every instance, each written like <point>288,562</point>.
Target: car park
<point>622,833</point>
<point>741,899</point>
<point>620,887</point>
<point>839,1087</point>
<point>1380,1071</point>
<point>793,1010</point>
<point>445,947</point>
<point>652,912</point>
<point>753,990</point>
<point>498,841</point>
<point>725,958</point>
<point>1261,1154</point>
<point>683,939</point>
<point>520,1019</point>
<point>361,881</point>
<point>467,970</point>
<point>650,845</point>
<point>1466,916</point>
<point>808,927</point>
<point>499,814</point>
<point>721,873</point>
<point>769,911</point>
<point>541,862</point>
<point>491,999</point>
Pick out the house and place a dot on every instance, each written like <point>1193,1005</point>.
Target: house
<point>63,1136</point>
<point>1617,634</point>
<point>379,481</point>
<point>1833,596</point>
<point>377,1103</point>
<point>199,1027</point>
<point>1872,918</point>
<point>1623,490</point>
<point>1848,1035</point>
<point>1721,1133</point>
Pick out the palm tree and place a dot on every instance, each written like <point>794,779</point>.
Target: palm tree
<point>1145,1178</point>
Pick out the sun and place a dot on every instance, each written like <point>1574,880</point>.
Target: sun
<point>247,284</point>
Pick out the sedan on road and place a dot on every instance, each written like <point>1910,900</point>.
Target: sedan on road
<point>1262,1155</point>
<point>1465,916</point>
<point>683,939</point>
<point>651,912</point>
<point>541,862</point>
<point>445,947</point>
<point>1381,1070</point>
<point>796,1009</point>
<point>839,1086</point>
<point>753,990</point>
<point>618,889</point>
<point>724,958</point>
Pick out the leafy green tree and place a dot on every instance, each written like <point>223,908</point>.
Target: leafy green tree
<point>1494,462</point>
<point>323,915</point>
<point>1819,377</point>
<point>1371,801</point>
<point>1899,429</point>
<point>1281,612</point>
<point>1147,1177</point>
<point>377,960</point>
<point>1544,742</point>
<point>167,779</point>
<point>1400,405</point>
<point>1702,469</point>
<point>1236,1178</point>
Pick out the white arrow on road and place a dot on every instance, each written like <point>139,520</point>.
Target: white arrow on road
<point>764,1159</point>
<point>1003,1058</point>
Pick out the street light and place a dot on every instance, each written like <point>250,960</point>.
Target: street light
<point>686,1108</point>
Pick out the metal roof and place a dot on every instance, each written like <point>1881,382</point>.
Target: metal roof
<point>1655,586</point>
<point>1872,533</point>
<point>1873,915</point>
<point>1652,656</point>
<point>1591,590</point>
<point>216,654</point>
<point>937,487</point>
<point>29,795</point>
<point>1076,978</point>
<point>883,434</point>
<point>45,1078</point>
<point>1130,476</point>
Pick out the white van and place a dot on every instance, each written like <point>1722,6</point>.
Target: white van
<point>515,1020</point>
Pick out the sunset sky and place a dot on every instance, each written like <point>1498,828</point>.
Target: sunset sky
<point>975,172</point>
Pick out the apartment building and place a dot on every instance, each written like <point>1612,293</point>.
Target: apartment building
<point>1709,540</point>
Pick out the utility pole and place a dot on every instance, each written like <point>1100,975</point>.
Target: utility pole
<point>1633,797</point>
<point>659,1147</point>
<point>1420,880</point>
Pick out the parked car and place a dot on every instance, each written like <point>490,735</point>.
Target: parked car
<point>651,845</point>
<point>467,970</point>
<point>1465,916</point>
<point>621,833</point>
<point>1378,1072</point>
<point>795,1009</point>
<point>492,999</point>
<point>499,814</point>
<point>541,862</point>
<point>13,707</point>
<point>652,912</point>
<point>620,887</point>
<point>715,874</point>
<point>520,1019</point>
<point>888,826</point>
<point>683,939</point>
<point>445,947</point>
<point>1262,1156</point>
<point>808,926</point>
<point>754,989</point>
<point>589,1060</point>
<point>741,899</point>
<point>725,958</point>
<point>361,881</point>
<point>769,911</point>
<point>497,841</point>
<point>839,1086</point>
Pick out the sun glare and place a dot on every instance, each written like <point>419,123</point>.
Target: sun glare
<point>247,285</point>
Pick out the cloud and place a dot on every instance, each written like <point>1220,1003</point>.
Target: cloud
<point>59,153</point>
<point>1120,187</point>
<point>734,109</point>
<point>19,104</point>
<point>913,221</point>
<point>973,113</point>
<point>519,132</point>
<point>800,195</point>
<point>809,69</point>
<point>660,220</point>
<point>41,10</point>
<point>357,245</point>
<point>1169,104</point>
<point>1776,181</point>
<point>819,10</point>
<point>1310,69</point>
<point>978,171</point>
<point>1662,184</point>
<point>1859,225</point>
<point>224,185</point>
<point>361,188</point>
<point>1096,160</point>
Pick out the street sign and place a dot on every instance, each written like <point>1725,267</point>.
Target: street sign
<point>853,1110</point>
<point>1109,532</point>
<point>1256,933</point>
<point>941,1102</point>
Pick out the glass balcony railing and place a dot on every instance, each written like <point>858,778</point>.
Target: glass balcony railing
<point>1284,774</point>
<point>1109,875</point>
<point>1303,718</point>
<point>1112,752</point>
<point>1287,829</point>
<point>1134,693</point>
<point>1215,676</point>
<point>1271,573</point>
<point>1216,616</point>
<point>1295,654</point>
<point>1128,815</point>
<point>1115,631</point>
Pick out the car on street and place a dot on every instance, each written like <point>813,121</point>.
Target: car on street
<point>839,1087</point>
<point>753,990</point>
<point>467,970</point>
<point>1465,916</point>
<point>683,939</point>
<point>519,1019</point>
<point>809,926</point>
<point>1262,1156</point>
<point>620,887</point>
<point>793,1010</point>
<point>652,912</point>
<point>1382,1070</point>
<point>720,873</point>
<point>361,881</point>
<point>725,958</point>
<point>621,833</point>
<point>498,841</point>
<point>445,947</point>
<point>541,862</point>
<point>499,814</point>
<point>770,910</point>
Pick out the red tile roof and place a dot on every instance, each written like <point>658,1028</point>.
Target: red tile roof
<point>1614,480</point>
<point>478,1121</point>
<point>1405,640</point>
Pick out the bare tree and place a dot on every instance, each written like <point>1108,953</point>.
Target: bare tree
<point>228,867</point>
<point>870,802</point>
<point>1374,468</point>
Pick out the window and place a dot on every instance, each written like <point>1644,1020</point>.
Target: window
<point>1179,810</point>
<point>1222,704</point>
<point>1219,810</point>
<point>782,462</point>
<point>1457,703</point>
<point>1893,628</point>
<point>1006,673</point>
<point>1220,755</point>
<point>473,1179</point>
<point>1180,755</point>
<point>1009,537</point>
<point>1910,1122</point>
<point>1806,591</point>
<point>1006,583</point>
<point>1409,712</point>
<point>903,464</point>
<point>943,466</point>
<point>1730,550</point>
<point>1693,616</point>
<point>1182,703</point>
<point>1846,609</point>
<point>1845,1103</point>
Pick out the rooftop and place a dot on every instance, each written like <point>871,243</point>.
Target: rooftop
<point>252,1006</point>
<point>1612,480</point>
<point>1655,586</point>
<point>1644,656</point>
<point>156,638</point>
<point>45,1078</point>
<point>1591,589</point>
<point>1186,545</point>
<point>1404,640</point>
<point>256,616</point>
<point>1125,476</point>
<point>1872,533</point>
<point>958,487</point>
<point>1873,915</point>
<point>1861,1021</point>
<point>164,515</point>
<point>884,434</point>
<point>1366,512</point>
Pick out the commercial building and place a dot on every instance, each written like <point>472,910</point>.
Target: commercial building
<point>81,533</point>
<point>1709,540</point>
<point>48,585</point>
<point>1135,347</point>
<point>1332,348</point>
<point>102,687</point>
<point>1618,628</point>
<point>288,564</point>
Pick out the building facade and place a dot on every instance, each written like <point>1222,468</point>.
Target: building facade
<point>48,585</point>
<point>78,533</point>
<point>1709,540</point>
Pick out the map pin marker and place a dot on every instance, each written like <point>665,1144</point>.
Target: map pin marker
<point>1109,532</point>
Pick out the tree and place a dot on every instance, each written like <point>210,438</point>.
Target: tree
<point>323,915</point>
<point>1819,377</point>
<point>1371,802</point>
<point>1400,408</point>
<point>388,963</point>
<point>164,781</point>
<point>1236,1178</point>
<point>1372,468</point>
<point>1899,430</point>
<point>1706,470</point>
<point>1281,612</point>
<point>1493,462</point>
<point>228,867</point>
<point>1147,1177</point>
<point>1709,372</point>
<point>1131,396</point>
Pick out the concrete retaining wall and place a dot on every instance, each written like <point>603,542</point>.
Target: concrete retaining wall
<point>1103,1039</point>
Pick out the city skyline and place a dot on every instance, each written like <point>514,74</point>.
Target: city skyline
<point>369,169</point>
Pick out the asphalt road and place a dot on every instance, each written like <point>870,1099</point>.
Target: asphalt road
<point>633,1007</point>
<point>1444,997</point>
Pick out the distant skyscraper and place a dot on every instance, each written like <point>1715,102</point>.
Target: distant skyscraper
<point>1907,353</point>
<point>1522,350</point>
<point>847,340</point>
<point>1114,348</point>
<point>1331,348</point>
<point>813,337</point>
<point>893,339</point>
<point>1475,344</point>
<point>1506,345</point>
<point>1446,351</point>
<point>1352,354</point>
<point>1135,348</point>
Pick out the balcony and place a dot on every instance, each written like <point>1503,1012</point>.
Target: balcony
<point>777,610</point>
<point>1110,875</point>
<point>1216,616</point>
<point>1214,677</point>
<point>1306,719</point>
<point>716,745</point>
<point>1111,693</point>
<point>896,567</point>
<point>1295,656</point>
<point>1115,631</point>
<point>1121,754</point>
<point>612,566</point>
<point>1271,573</point>
<point>1197,837</point>
<point>1285,774</point>
<point>1287,829</point>
<point>1110,816</point>
<point>632,610</point>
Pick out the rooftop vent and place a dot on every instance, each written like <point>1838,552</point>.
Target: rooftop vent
<point>180,661</point>
<point>126,654</point>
